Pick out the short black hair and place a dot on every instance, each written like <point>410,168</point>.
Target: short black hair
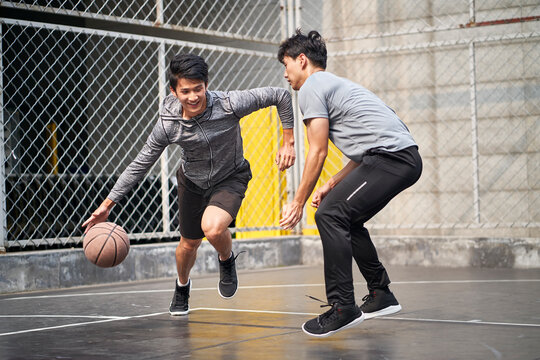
<point>312,45</point>
<point>187,66</point>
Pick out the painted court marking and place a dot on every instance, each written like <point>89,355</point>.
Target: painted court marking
<point>99,319</point>
<point>119,318</point>
<point>267,287</point>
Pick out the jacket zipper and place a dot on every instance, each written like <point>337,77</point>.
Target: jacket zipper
<point>210,149</point>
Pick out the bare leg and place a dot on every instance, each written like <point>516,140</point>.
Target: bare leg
<point>215,223</point>
<point>186,254</point>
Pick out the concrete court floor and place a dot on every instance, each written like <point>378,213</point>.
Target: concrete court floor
<point>464,313</point>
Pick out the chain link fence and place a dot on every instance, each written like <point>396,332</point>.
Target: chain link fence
<point>82,83</point>
<point>464,77</point>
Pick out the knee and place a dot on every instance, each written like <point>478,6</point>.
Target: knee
<point>188,245</point>
<point>212,230</point>
<point>321,216</point>
<point>333,213</point>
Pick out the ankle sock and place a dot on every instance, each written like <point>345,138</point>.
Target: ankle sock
<point>180,284</point>
<point>226,258</point>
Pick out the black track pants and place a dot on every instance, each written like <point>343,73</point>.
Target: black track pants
<point>342,213</point>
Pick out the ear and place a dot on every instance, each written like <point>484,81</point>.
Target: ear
<point>303,60</point>
<point>172,90</point>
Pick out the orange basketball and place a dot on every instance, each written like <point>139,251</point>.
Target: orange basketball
<point>106,244</point>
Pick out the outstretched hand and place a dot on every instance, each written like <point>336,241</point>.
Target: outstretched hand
<point>291,215</point>
<point>99,215</point>
<point>285,157</point>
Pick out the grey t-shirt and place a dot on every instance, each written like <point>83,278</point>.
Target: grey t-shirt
<point>359,120</point>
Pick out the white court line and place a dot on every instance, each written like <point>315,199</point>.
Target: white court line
<point>385,318</point>
<point>253,311</point>
<point>466,322</point>
<point>57,327</point>
<point>480,322</point>
<point>269,287</point>
<point>116,318</point>
<point>64,316</point>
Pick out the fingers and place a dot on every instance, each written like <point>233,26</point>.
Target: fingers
<point>290,216</point>
<point>86,222</point>
<point>91,221</point>
<point>285,158</point>
<point>100,215</point>
<point>284,163</point>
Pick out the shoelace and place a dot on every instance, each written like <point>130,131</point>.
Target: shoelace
<point>327,316</point>
<point>227,269</point>
<point>368,298</point>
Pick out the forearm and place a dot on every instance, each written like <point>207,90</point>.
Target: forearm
<point>337,178</point>
<point>135,171</point>
<point>312,170</point>
<point>288,137</point>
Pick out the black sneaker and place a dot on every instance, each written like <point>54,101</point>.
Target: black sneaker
<point>228,281</point>
<point>339,317</point>
<point>379,302</point>
<point>180,301</point>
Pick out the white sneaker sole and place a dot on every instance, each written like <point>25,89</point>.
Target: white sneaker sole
<point>349,325</point>
<point>386,311</point>
<point>228,297</point>
<point>180,313</point>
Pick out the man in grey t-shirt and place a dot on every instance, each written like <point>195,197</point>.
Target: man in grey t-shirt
<point>384,161</point>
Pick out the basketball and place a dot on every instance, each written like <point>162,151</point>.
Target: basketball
<point>106,244</point>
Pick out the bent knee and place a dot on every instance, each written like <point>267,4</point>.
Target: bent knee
<point>334,212</point>
<point>321,216</point>
<point>190,244</point>
<point>213,230</point>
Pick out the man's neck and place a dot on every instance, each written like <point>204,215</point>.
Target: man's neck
<point>312,70</point>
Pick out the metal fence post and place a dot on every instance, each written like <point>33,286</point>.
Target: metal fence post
<point>293,21</point>
<point>299,129</point>
<point>474,119</point>
<point>164,160</point>
<point>3,224</point>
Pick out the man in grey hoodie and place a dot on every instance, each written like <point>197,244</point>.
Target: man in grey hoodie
<point>213,176</point>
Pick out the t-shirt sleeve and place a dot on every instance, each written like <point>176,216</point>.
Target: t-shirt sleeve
<point>312,102</point>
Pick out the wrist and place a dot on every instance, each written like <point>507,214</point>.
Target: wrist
<point>288,137</point>
<point>331,183</point>
<point>108,203</point>
<point>298,202</point>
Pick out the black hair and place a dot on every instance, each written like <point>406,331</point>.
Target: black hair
<point>312,45</point>
<point>187,66</point>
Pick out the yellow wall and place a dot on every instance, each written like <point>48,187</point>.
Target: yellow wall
<point>263,201</point>
<point>266,193</point>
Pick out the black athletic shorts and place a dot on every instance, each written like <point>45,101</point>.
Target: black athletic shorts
<point>193,200</point>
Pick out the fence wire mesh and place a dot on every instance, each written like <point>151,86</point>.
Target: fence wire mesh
<point>78,103</point>
<point>463,76</point>
<point>243,19</point>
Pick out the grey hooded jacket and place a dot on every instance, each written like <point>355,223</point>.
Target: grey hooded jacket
<point>211,141</point>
